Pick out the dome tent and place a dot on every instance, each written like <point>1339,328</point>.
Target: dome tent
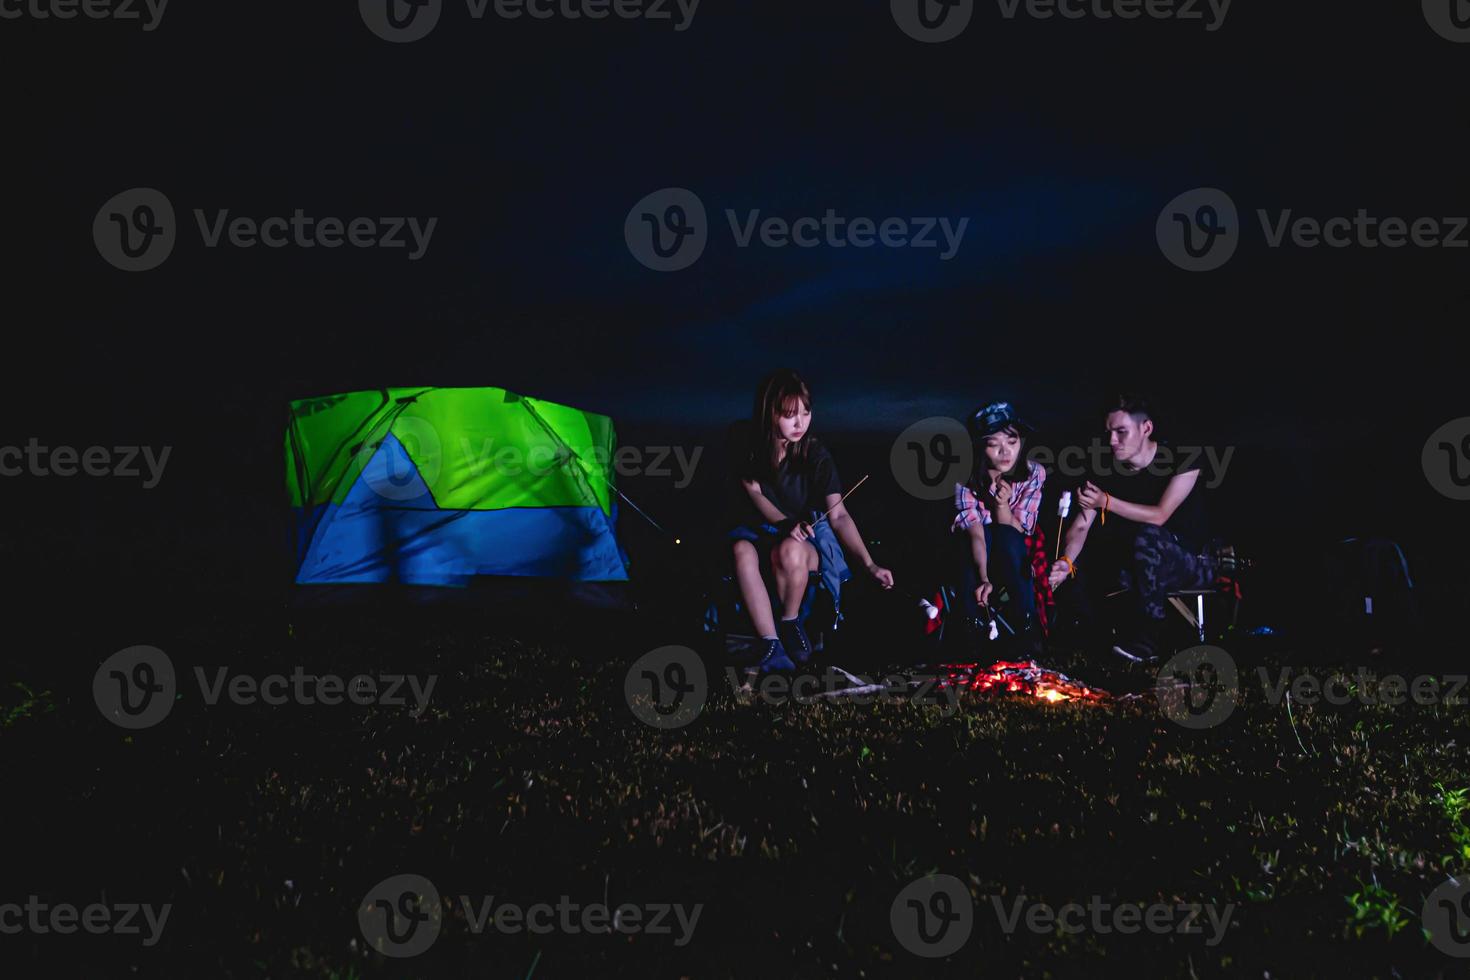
<point>439,486</point>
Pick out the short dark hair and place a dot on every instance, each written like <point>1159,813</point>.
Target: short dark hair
<point>1131,402</point>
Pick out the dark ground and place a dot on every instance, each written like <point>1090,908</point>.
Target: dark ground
<point>528,778</point>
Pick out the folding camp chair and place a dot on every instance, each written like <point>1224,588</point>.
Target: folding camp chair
<point>1190,603</point>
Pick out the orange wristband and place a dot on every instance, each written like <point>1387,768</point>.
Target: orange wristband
<point>1107,499</point>
<point>1071,567</point>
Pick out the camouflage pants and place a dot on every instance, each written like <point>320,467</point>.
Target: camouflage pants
<point>1159,565</point>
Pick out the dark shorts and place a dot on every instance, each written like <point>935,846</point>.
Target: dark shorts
<point>765,537</point>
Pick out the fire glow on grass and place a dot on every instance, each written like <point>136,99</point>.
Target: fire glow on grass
<point>1019,677</point>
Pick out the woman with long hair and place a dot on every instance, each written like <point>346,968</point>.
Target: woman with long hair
<point>784,482</point>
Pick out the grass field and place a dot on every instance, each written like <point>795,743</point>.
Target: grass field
<point>793,827</point>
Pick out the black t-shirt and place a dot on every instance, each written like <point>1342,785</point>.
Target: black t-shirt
<point>1146,487</point>
<point>799,486</point>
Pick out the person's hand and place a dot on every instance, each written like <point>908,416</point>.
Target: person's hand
<point>982,592</point>
<point>883,575</point>
<point>1002,495</point>
<point>1090,497</point>
<point>801,530</point>
<point>1058,574</point>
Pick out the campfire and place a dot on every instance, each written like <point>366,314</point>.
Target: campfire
<point>1027,678</point>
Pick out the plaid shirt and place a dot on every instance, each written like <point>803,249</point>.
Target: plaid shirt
<point>1025,502</point>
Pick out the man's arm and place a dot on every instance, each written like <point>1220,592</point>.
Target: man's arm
<point>1175,493</point>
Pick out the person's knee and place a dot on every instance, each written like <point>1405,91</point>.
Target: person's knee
<point>790,555</point>
<point>1147,541</point>
<point>1006,540</point>
<point>744,553</point>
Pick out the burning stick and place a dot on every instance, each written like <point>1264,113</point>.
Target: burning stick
<point>1064,507</point>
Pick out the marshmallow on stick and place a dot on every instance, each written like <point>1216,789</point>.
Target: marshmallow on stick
<point>1064,507</point>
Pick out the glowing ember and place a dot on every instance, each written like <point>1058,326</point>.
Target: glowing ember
<point>1019,677</point>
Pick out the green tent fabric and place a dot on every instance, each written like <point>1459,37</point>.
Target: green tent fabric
<point>434,486</point>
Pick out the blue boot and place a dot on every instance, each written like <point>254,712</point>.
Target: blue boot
<point>774,659</point>
<point>794,639</point>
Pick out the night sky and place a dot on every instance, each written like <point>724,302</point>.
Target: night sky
<point>530,141</point>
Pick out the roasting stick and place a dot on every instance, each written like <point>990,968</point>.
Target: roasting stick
<point>843,497</point>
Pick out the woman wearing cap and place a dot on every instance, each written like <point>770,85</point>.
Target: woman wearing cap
<point>998,511</point>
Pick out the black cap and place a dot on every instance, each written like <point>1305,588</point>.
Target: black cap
<point>994,417</point>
